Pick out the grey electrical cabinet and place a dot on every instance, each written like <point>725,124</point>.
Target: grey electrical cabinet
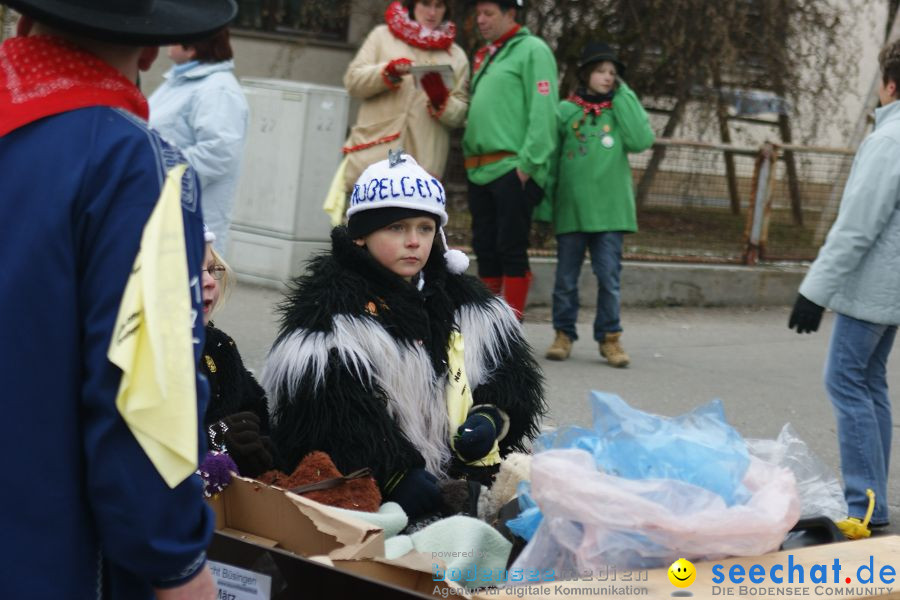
<point>292,151</point>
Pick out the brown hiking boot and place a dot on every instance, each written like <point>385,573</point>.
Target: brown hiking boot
<point>612,350</point>
<point>561,347</point>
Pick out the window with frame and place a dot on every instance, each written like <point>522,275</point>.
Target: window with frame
<point>321,19</point>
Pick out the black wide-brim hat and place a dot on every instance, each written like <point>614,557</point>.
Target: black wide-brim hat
<point>132,22</point>
<point>595,52</point>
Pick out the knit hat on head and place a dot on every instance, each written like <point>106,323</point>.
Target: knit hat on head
<point>208,236</point>
<point>395,189</point>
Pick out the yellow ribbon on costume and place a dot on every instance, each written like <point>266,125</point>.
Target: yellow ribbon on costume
<point>336,199</point>
<point>459,397</point>
<point>153,343</point>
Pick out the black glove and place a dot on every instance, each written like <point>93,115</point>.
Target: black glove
<point>242,441</point>
<point>806,315</point>
<point>475,438</point>
<point>417,493</point>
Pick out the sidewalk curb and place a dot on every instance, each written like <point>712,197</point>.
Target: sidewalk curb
<point>680,284</point>
<point>663,284</point>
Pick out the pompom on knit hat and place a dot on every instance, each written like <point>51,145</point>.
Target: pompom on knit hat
<point>208,236</point>
<point>395,189</point>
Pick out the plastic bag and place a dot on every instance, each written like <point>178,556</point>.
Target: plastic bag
<point>592,519</point>
<point>698,447</point>
<point>530,515</point>
<point>640,491</point>
<point>818,487</point>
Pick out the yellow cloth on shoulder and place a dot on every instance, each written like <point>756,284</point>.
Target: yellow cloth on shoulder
<point>153,342</point>
<point>459,397</point>
<point>336,199</point>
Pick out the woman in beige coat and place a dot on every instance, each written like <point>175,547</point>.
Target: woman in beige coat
<point>395,112</point>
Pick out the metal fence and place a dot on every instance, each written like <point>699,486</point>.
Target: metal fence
<point>701,202</point>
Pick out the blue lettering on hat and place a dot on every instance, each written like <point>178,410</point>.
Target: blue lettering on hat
<point>382,188</point>
<point>393,193</point>
<point>371,190</point>
<point>403,187</point>
<point>440,191</point>
<point>419,183</point>
<point>354,197</point>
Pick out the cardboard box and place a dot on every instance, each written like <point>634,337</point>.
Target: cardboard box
<point>304,546</point>
<point>274,518</point>
<point>294,576</point>
<point>851,556</point>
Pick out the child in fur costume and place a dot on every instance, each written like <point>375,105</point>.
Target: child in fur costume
<point>237,418</point>
<point>389,357</point>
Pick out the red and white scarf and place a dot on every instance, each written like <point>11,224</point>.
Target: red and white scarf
<point>43,75</point>
<point>492,48</point>
<point>397,18</point>
<point>589,106</point>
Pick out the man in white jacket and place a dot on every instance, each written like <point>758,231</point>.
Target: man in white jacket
<point>857,275</point>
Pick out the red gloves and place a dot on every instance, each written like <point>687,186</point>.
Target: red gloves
<point>434,87</point>
<point>395,70</point>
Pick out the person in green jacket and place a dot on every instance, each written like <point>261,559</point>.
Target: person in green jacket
<point>509,143</point>
<point>592,204</point>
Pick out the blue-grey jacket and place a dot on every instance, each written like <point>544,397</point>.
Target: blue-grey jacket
<point>857,271</point>
<point>203,112</point>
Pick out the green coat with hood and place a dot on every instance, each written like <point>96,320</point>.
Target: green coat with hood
<point>513,108</point>
<point>591,183</point>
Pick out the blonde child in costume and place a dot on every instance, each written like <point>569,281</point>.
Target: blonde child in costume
<point>389,357</point>
<point>593,200</point>
<point>237,418</point>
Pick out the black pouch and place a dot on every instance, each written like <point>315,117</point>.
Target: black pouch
<point>812,532</point>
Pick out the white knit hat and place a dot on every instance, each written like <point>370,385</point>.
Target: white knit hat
<point>399,183</point>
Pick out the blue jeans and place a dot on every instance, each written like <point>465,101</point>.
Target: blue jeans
<point>606,261</point>
<point>857,386</point>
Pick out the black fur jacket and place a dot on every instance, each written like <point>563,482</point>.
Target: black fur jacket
<point>232,388</point>
<point>359,368</point>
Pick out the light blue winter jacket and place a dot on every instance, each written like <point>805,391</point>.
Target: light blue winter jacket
<point>857,271</point>
<point>203,111</point>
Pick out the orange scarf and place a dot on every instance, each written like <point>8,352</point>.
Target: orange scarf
<point>42,76</point>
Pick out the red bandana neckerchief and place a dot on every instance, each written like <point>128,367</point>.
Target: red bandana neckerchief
<point>397,18</point>
<point>42,76</point>
<point>493,47</point>
<point>589,107</point>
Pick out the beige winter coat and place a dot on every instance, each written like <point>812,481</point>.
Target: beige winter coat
<point>386,112</point>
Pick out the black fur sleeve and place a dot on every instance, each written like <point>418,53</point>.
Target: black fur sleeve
<point>233,388</point>
<point>345,418</point>
<point>516,386</point>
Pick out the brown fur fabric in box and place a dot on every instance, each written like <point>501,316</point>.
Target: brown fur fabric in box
<point>357,494</point>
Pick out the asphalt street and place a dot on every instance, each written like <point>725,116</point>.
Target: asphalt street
<point>765,374</point>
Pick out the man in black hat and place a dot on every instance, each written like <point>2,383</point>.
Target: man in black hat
<point>102,502</point>
<point>508,144</point>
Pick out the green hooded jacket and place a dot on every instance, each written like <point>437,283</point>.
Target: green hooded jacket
<point>512,108</point>
<point>591,188</point>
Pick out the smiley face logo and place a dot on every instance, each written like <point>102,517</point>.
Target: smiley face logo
<point>682,573</point>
